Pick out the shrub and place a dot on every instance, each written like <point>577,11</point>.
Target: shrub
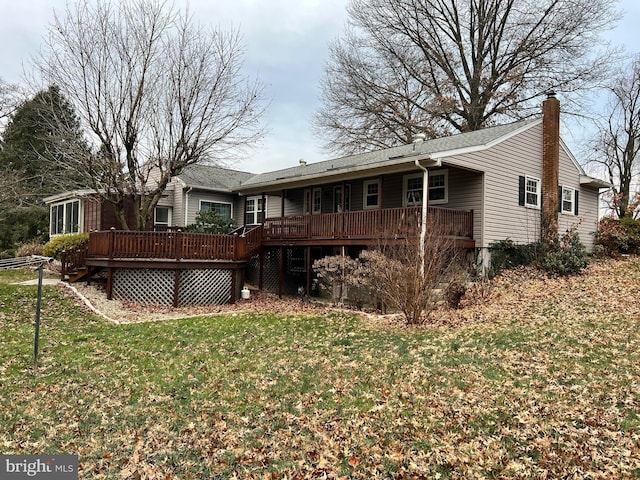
<point>507,254</point>
<point>34,247</point>
<point>60,243</point>
<point>611,236</point>
<point>568,257</point>
<point>454,292</point>
<point>334,273</point>
<point>393,272</point>
<point>208,221</point>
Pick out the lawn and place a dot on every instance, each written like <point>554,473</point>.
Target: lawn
<point>543,381</point>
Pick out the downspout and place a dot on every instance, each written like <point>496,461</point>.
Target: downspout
<point>186,204</point>
<point>423,216</point>
<point>425,205</point>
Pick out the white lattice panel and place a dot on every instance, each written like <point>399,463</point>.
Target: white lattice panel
<point>205,287</point>
<point>152,286</point>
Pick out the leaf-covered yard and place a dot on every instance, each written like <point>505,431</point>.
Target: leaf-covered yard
<point>543,381</point>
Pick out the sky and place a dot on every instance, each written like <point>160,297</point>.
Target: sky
<point>286,46</point>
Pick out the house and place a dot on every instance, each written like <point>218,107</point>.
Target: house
<point>198,187</point>
<point>517,181</point>
<point>494,184</point>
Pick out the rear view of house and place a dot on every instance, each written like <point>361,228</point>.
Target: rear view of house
<point>517,181</point>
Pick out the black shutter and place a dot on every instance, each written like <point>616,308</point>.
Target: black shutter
<point>559,198</point>
<point>521,191</point>
<point>575,202</point>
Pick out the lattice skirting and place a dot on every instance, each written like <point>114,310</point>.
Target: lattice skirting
<point>156,286</point>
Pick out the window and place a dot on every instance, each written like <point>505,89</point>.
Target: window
<point>222,209</point>
<point>162,217</point>
<point>65,218</point>
<point>568,200</point>
<point>337,198</point>
<point>413,189</point>
<point>254,211</point>
<point>371,194</point>
<point>312,201</point>
<point>438,188</point>
<point>529,192</point>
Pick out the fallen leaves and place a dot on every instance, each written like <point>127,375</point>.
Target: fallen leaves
<point>541,381</point>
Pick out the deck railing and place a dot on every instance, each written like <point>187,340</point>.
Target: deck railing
<point>171,245</point>
<point>365,225</point>
<point>369,224</point>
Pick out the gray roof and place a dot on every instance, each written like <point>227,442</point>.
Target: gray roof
<point>210,177</point>
<point>388,156</point>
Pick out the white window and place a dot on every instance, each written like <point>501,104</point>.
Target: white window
<point>412,187</point>
<point>65,218</point>
<point>162,216</point>
<point>568,200</point>
<point>438,188</point>
<point>221,208</point>
<point>254,211</point>
<point>312,201</point>
<point>371,194</point>
<point>532,192</point>
<point>337,198</point>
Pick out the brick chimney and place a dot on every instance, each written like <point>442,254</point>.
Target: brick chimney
<point>550,167</point>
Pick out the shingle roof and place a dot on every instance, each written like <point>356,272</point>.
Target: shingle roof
<point>378,158</point>
<point>211,177</point>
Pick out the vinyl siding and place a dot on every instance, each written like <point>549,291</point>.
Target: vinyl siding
<point>503,164</point>
<point>196,196</point>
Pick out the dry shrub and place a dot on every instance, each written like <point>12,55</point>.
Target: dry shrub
<point>393,274</point>
<point>34,247</point>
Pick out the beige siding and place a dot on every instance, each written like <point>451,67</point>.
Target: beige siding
<point>502,217</point>
<point>196,196</point>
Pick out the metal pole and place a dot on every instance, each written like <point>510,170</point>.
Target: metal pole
<point>38,304</point>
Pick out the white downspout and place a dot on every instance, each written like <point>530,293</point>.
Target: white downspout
<point>186,205</point>
<point>423,217</point>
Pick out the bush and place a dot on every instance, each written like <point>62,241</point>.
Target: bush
<point>568,257</point>
<point>208,221</point>
<point>35,247</point>
<point>507,254</point>
<point>334,273</point>
<point>617,236</point>
<point>454,292</point>
<point>60,243</point>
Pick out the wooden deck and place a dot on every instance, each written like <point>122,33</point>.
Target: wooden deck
<point>364,226</point>
<point>173,245</point>
<point>359,227</point>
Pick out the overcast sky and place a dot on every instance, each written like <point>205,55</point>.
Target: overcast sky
<point>286,45</point>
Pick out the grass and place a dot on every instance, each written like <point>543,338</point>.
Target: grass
<point>546,385</point>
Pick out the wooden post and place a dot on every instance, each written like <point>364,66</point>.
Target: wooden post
<point>234,285</point>
<point>110,283</point>
<point>177,246</point>
<point>261,270</point>
<point>112,241</point>
<point>309,271</point>
<point>281,276</point>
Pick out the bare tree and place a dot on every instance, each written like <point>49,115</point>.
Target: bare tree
<point>10,98</point>
<point>434,66</point>
<point>155,91</point>
<point>618,141</point>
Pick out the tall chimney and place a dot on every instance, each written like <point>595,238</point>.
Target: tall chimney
<point>550,167</point>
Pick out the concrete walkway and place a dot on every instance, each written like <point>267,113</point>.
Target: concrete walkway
<point>45,281</point>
